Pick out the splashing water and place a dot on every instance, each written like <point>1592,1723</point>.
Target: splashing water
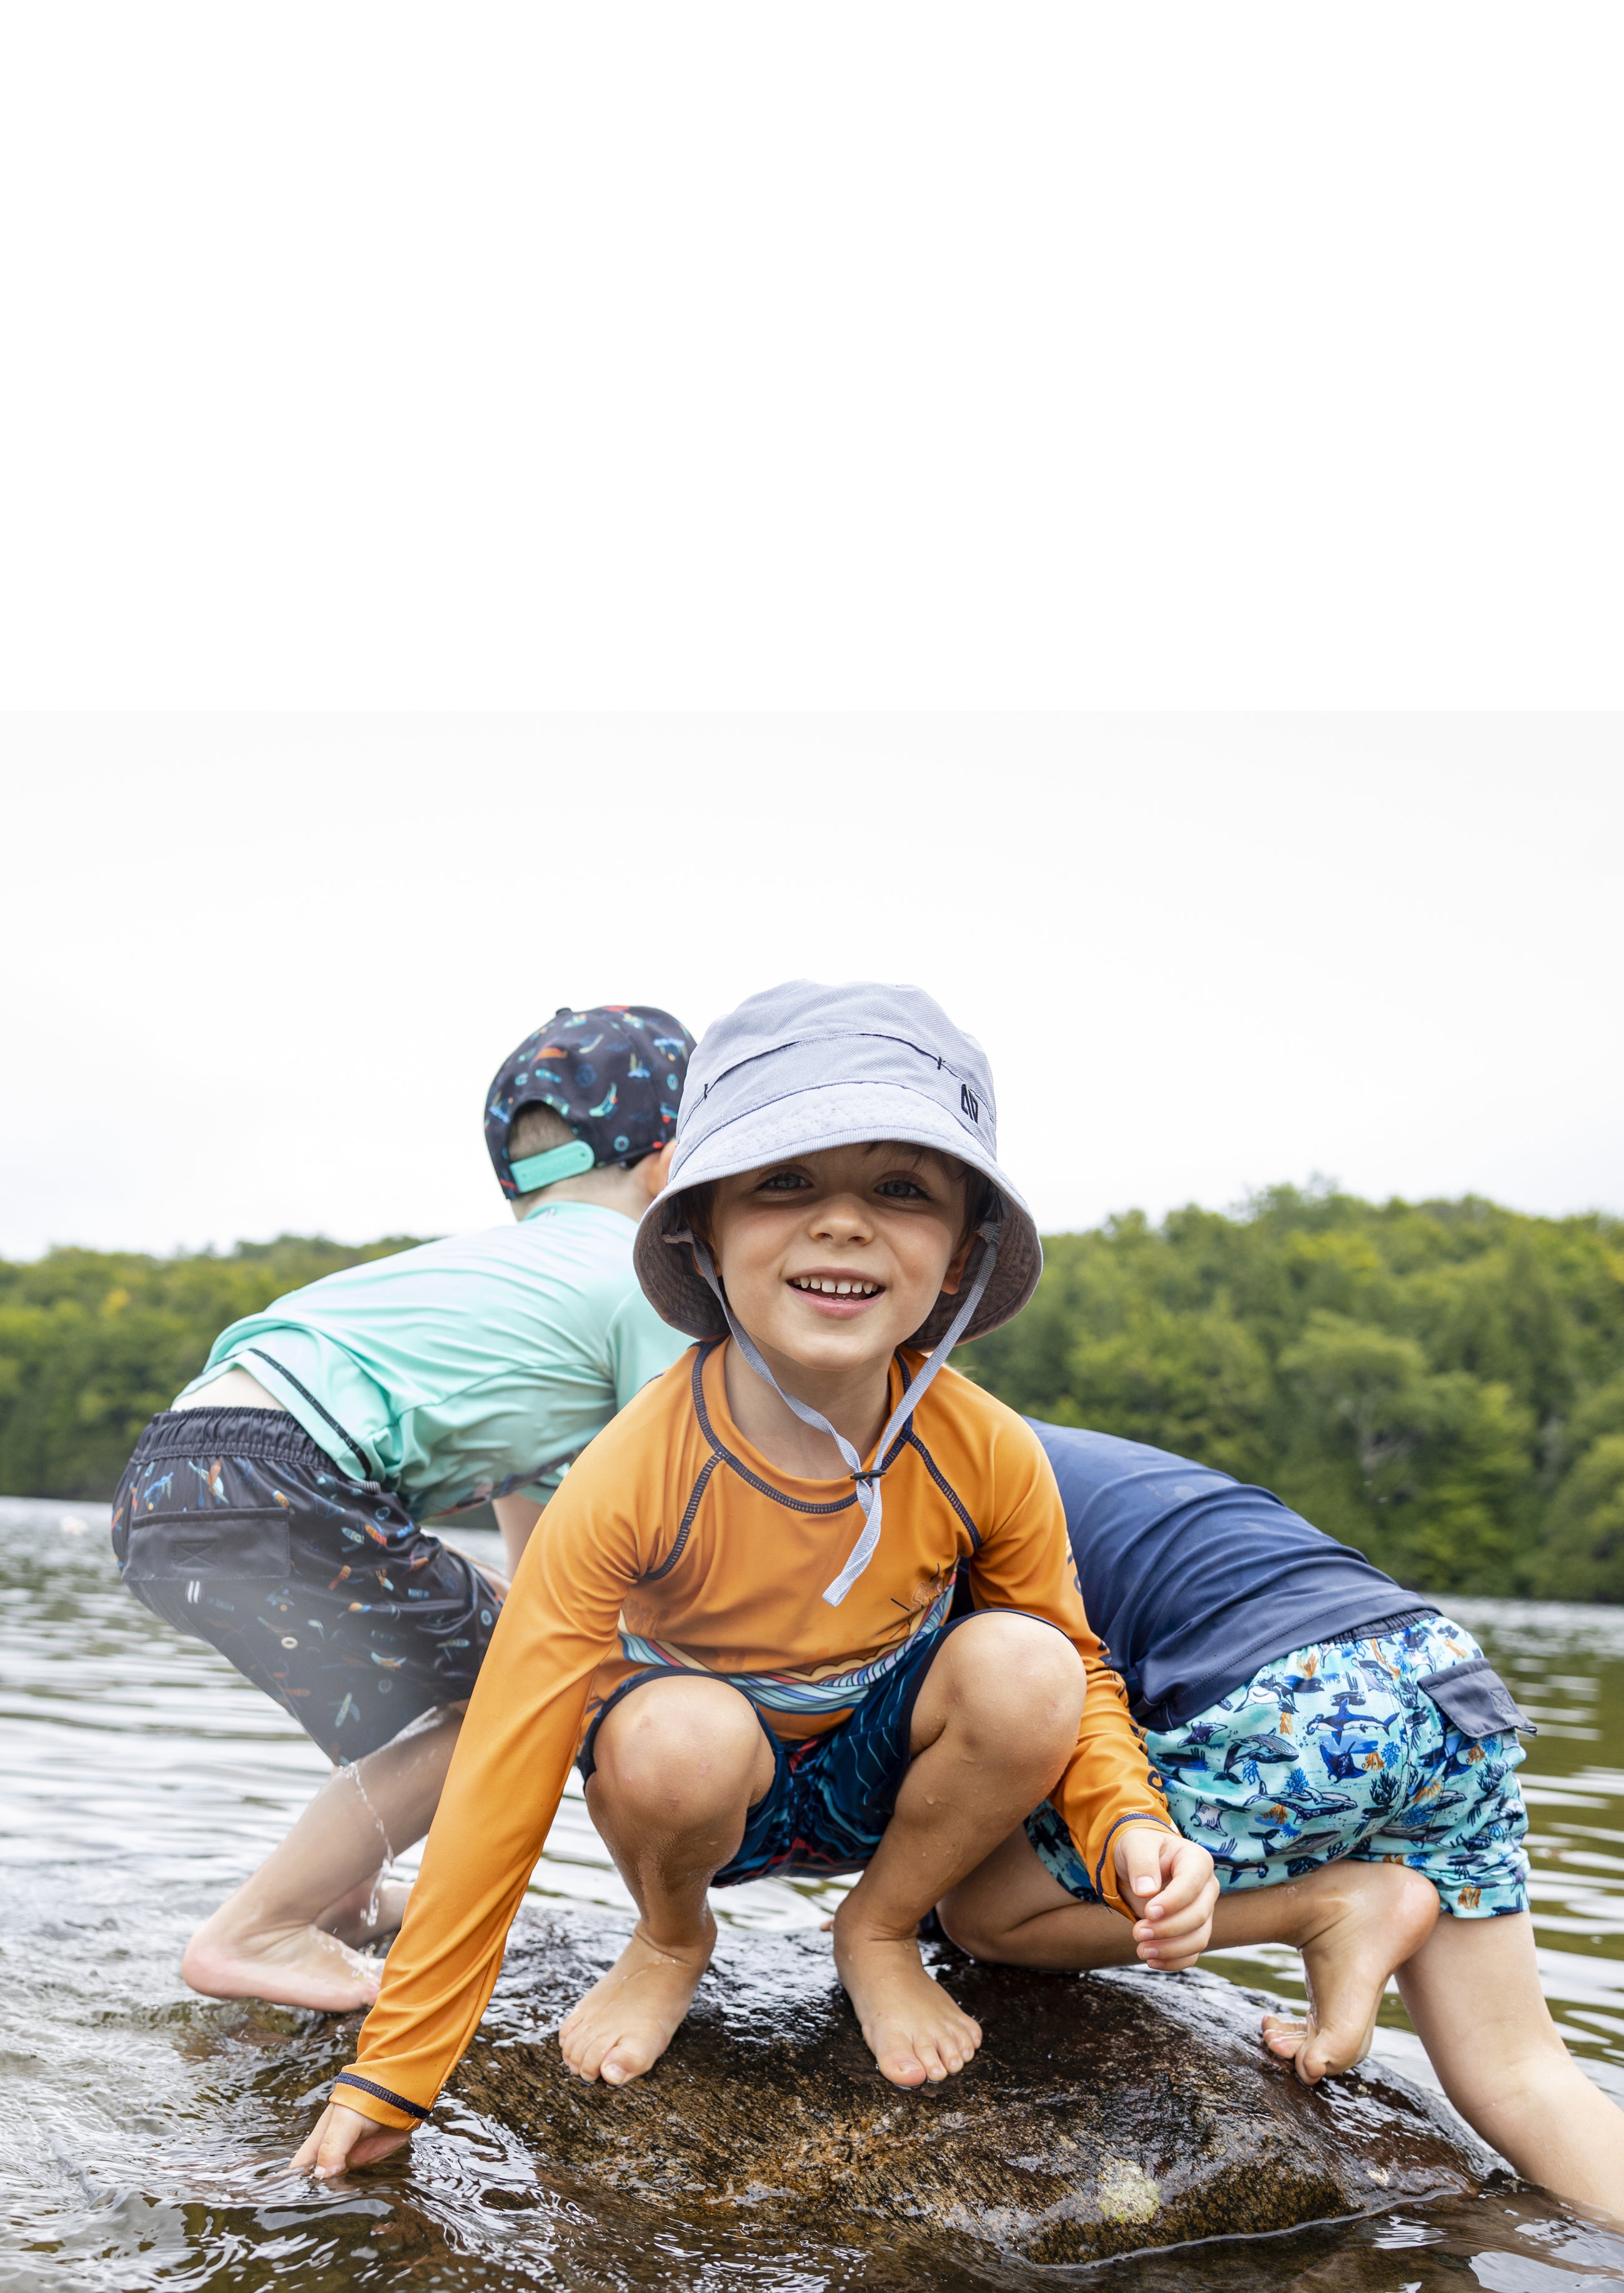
<point>386,1869</point>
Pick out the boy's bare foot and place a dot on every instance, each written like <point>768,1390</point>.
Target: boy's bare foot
<point>625,2022</point>
<point>1362,1920</point>
<point>287,1966</point>
<point>915,2032</point>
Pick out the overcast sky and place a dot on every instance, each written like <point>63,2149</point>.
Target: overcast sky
<point>259,972</point>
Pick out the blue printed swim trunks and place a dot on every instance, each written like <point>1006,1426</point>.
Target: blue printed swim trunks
<point>831,1796</point>
<point>1338,1750</point>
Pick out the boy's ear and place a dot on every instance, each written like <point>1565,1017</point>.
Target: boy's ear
<point>975,1211</point>
<point>654,1169</point>
<point>960,1258</point>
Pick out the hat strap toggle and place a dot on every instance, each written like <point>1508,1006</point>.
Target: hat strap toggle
<point>866,1478</point>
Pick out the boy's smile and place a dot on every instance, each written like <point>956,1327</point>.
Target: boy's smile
<point>837,1291</point>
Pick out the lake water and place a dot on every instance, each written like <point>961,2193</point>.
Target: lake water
<point>145,2133</point>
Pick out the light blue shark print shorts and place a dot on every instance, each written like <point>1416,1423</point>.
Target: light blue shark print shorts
<point>1339,1750</point>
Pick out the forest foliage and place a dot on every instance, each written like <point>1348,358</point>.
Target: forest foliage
<point>94,1342</point>
<point>1439,1383</point>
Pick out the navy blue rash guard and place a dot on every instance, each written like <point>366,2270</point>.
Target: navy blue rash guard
<point>1193,1580</point>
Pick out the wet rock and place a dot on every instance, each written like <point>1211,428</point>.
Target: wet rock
<point>1104,2114</point>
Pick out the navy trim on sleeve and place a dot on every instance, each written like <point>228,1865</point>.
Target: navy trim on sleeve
<point>1133,1815</point>
<point>381,2093</point>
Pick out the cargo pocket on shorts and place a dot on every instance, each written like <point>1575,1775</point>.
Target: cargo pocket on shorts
<point>171,1548</point>
<point>1474,1698</point>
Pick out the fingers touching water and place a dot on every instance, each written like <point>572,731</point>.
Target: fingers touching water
<point>342,2137</point>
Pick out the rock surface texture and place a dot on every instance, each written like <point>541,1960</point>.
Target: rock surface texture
<point>1104,2114</point>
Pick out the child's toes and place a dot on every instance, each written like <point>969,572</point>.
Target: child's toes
<point>1286,2039</point>
<point>597,2051</point>
<point>582,2053</point>
<point>901,2063</point>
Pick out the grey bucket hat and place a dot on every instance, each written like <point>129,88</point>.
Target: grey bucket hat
<point>802,1068</point>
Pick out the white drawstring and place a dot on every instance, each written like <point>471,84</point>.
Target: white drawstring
<point>867,1479</point>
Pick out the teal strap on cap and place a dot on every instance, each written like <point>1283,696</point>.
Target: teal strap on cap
<point>558,1163</point>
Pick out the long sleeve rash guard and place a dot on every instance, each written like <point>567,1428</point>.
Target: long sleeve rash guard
<point>673,1541</point>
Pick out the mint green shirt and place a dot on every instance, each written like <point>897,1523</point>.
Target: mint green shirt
<point>466,1369</point>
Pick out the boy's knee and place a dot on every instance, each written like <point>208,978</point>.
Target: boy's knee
<point>678,1741</point>
<point>1015,1672</point>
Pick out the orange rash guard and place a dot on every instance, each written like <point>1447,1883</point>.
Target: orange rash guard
<point>674,1541</point>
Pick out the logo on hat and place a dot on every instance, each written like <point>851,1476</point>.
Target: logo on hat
<point>968,1100</point>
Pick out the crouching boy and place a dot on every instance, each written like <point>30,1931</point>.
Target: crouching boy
<point>735,1615</point>
<point>276,1510</point>
<point>1349,1756</point>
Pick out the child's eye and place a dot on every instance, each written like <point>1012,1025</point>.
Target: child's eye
<point>902,1189</point>
<point>784,1182</point>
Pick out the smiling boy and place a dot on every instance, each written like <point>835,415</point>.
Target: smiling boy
<point>735,1614</point>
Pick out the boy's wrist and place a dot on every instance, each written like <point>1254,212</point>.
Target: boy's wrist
<point>368,2099</point>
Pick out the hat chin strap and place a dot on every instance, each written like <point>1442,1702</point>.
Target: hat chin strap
<point>867,1478</point>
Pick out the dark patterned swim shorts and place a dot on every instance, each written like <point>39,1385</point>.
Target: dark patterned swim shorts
<point>231,1525</point>
<point>831,1797</point>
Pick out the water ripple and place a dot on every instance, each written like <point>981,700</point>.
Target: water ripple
<point>145,2133</point>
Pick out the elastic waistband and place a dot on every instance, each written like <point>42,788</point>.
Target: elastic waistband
<point>1380,1628</point>
<point>231,1433</point>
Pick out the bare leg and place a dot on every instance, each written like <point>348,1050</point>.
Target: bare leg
<point>287,1934</point>
<point>994,1723</point>
<point>1473,1993</point>
<point>1354,1924</point>
<point>679,1764</point>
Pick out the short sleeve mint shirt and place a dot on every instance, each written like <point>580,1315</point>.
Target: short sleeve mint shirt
<point>471,1368</point>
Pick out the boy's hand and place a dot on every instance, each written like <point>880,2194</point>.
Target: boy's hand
<point>342,2137</point>
<point>1168,1881</point>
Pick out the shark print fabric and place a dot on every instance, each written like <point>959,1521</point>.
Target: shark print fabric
<point>1345,1748</point>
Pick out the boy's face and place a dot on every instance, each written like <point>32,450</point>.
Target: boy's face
<point>830,1260</point>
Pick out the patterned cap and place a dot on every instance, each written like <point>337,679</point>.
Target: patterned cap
<point>614,1073</point>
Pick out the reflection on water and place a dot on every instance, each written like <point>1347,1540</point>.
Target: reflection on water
<point>144,2132</point>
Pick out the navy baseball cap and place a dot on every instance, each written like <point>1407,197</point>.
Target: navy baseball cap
<point>614,1073</point>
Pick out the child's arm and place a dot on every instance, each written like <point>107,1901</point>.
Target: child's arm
<point>516,1517</point>
<point>503,1790</point>
<point>1111,1802</point>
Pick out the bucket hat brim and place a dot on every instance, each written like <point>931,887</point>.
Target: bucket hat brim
<point>811,1120</point>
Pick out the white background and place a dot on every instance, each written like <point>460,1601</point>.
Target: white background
<point>877,353</point>
<point>877,358</point>
<point>260,973</point>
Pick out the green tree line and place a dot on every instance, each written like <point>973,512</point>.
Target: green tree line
<point>94,1342</point>
<point>1439,1383</point>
